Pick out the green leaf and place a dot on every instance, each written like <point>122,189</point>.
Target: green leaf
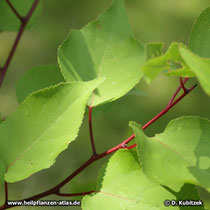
<point>9,21</point>
<point>171,63</point>
<point>122,185</point>
<point>199,41</point>
<point>42,127</point>
<point>136,92</point>
<point>200,66</point>
<point>182,72</point>
<point>38,78</point>
<point>179,61</point>
<point>104,48</point>
<point>178,155</point>
<point>153,50</point>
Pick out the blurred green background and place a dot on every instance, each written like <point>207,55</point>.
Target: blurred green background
<point>152,20</point>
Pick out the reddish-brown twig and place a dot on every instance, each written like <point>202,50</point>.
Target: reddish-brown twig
<point>177,91</point>
<point>3,70</point>
<point>164,111</point>
<point>6,191</point>
<point>56,189</point>
<point>182,85</point>
<point>14,10</point>
<point>24,21</point>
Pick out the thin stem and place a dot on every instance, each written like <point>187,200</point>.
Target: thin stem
<point>3,69</point>
<point>33,7</point>
<point>123,144</point>
<point>131,147</point>
<point>14,10</point>
<point>91,131</point>
<point>119,146</point>
<point>17,40</point>
<point>6,65</point>
<point>182,85</point>
<point>164,111</point>
<point>177,91</point>
<point>167,108</point>
<point>6,191</point>
<point>56,190</point>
